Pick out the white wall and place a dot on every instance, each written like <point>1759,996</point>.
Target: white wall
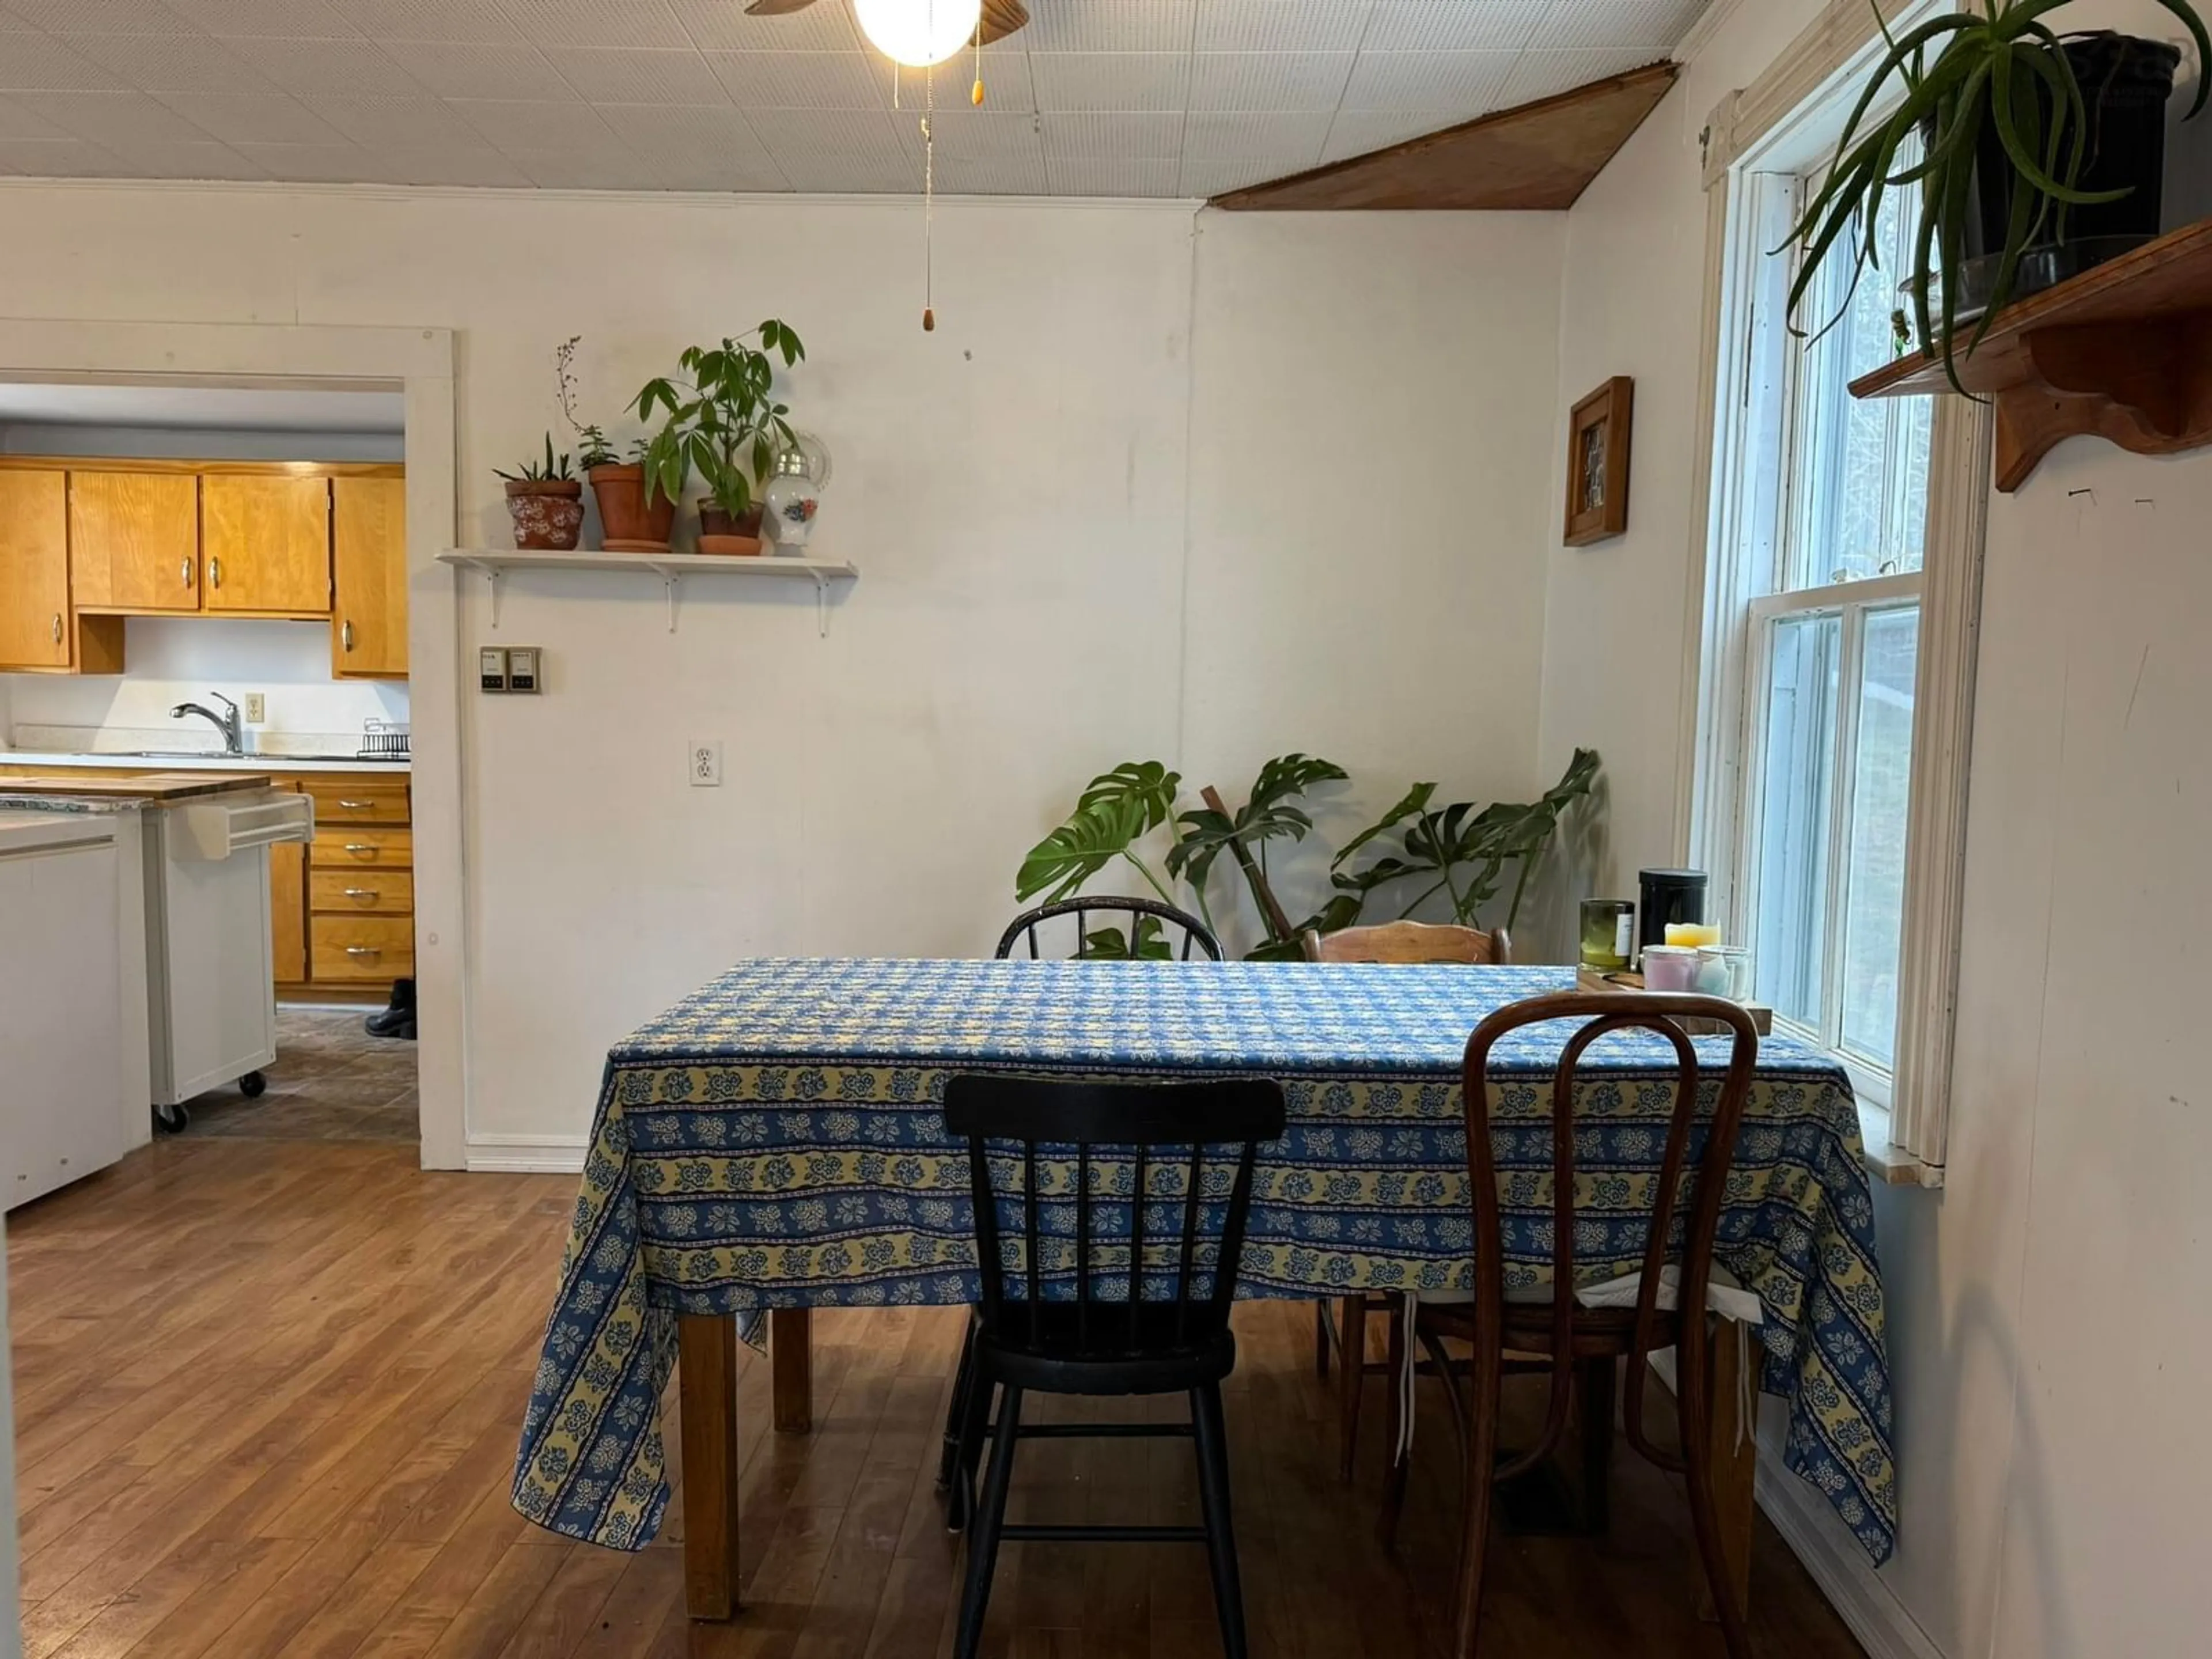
<point>1019,489</point>
<point>2048,1351</point>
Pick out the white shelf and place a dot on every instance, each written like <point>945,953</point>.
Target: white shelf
<point>671,570</point>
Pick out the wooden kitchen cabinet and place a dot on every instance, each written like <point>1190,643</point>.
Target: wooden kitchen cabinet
<point>265,544</point>
<point>134,541</point>
<point>368,569</point>
<point>356,890</point>
<point>40,631</point>
<point>288,909</point>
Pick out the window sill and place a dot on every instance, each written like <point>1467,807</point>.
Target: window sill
<point>1888,1163</point>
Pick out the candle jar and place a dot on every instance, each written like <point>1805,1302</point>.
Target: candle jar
<point>1608,933</point>
<point>1669,967</point>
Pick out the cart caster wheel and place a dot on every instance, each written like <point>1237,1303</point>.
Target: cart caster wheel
<point>252,1084</point>
<point>172,1119</point>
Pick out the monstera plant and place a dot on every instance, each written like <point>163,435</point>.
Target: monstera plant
<point>1414,851</point>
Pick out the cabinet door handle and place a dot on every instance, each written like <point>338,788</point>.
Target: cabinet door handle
<point>363,951</point>
<point>345,634</point>
<point>356,805</point>
<point>214,572</point>
<point>359,846</point>
<point>57,627</point>
<point>361,892</point>
<point>187,570</point>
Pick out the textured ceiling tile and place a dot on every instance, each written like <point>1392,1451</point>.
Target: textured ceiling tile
<point>188,64</point>
<point>1007,85</point>
<point>18,122</point>
<point>600,22</point>
<point>1110,80</point>
<point>272,118</point>
<point>1457,25</point>
<point>290,20</point>
<point>798,136</point>
<point>697,171</point>
<point>514,125</point>
<point>659,130</point>
<point>1135,136</point>
<point>204,159</point>
<point>975,135</point>
<point>472,69</point>
<point>1268,80</point>
<point>341,66</point>
<point>608,167</point>
<point>449,164</point>
<point>1098,175</point>
<point>477,20</point>
<point>395,123</point>
<point>1205,177</point>
<point>1357,131</point>
<point>1109,25</point>
<point>1469,81</point>
<point>68,158</point>
<point>97,16</point>
<point>803,80</point>
<point>722,26</point>
<point>1652,26</point>
<point>314,164</point>
<point>1280,25</point>
<point>636,76</point>
<point>862,175</point>
<point>34,63</point>
<point>1545,74</point>
<point>1296,139</point>
<point>992,176</point>
<point>112,117</point>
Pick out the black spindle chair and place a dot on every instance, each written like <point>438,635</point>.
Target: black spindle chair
<point>1172,1255</point>
<point>1196,936</point>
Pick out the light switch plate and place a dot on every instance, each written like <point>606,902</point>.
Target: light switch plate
<point>491,668</point>
<point>257,708</point>
<point>706,763</point>
<point>524,668</point>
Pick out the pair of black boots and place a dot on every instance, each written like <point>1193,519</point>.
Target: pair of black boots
<point>397,1018</point>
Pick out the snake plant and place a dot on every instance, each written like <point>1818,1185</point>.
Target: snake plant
<point>1999,70</point>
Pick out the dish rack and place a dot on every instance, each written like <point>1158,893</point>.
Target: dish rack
<point>384,739</point>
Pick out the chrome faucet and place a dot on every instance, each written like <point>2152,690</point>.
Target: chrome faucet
<point>233,733</point>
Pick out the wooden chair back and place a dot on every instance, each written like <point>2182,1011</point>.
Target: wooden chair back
<point>1180,934</point>
<point>1410,942</point>
<point>1150,1269</point>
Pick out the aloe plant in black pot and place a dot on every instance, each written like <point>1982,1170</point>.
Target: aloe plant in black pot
<point>2042,155</point>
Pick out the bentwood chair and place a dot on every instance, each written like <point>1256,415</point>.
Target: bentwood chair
<point>1678,1273</point>
<point>1153,928</point>
<point>1135,1303</point>
<point>1404,944</point>
<point>1178,935</point>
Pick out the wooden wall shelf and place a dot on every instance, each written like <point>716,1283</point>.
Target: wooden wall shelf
<point>672,569</point>
<point>2123,351</point>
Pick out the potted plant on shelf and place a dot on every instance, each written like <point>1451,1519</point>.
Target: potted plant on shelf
<point>723,422</point>
<point>631,520</point>
<point>2042,155</point>
<point>545,501</point>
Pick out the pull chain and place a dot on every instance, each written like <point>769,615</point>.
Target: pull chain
<point>928,212</point>
<point>975,94</point>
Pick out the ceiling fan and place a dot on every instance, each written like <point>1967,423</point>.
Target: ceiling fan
<point>999,18</point>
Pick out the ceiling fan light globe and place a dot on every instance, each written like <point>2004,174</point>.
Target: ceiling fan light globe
<point>918,33</point>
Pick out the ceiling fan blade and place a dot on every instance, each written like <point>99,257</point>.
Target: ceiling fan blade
<point>1001,18</point>
<point>775,7</point>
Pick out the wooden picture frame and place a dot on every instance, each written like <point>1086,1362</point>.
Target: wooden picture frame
<point>1598,436</point>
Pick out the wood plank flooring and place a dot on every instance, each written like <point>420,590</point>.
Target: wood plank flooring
<point>267,1395</point>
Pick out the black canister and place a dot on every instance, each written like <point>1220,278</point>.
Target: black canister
<point>1667,896</point>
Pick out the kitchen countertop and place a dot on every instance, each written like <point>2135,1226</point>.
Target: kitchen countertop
<point>211,763</point>
<point>163,786</point>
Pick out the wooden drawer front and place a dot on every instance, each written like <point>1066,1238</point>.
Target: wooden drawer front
<point>362,892</point>
<point>361,947</point>
<point>343,846</point>
<point>339,801</point>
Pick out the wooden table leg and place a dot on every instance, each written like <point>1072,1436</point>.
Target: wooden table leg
<point>707,1383</point>
<point>1734,1454</point>
<point>791,1359</point>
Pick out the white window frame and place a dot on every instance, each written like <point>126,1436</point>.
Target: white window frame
<point>1757,144</point>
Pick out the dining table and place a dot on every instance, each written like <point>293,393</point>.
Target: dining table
<point>774,1143</point>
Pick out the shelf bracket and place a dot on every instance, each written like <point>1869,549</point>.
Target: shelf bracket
<point>821,606</point>
<point>491,585</point>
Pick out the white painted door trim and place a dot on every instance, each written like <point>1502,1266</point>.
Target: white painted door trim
<point>419,362</point>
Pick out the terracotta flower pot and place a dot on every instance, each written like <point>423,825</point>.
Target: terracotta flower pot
<point>726,532</point>
<point>629,522</point>
<point>548,513</point>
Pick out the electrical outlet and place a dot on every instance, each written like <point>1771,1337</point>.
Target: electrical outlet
<point>706,763</point>
<point>257,708</point>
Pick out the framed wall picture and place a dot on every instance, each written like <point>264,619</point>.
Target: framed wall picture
<point>1597,463</point>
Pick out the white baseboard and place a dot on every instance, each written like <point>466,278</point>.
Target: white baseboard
<point>526,1154</point>
<point>1861,1596</point>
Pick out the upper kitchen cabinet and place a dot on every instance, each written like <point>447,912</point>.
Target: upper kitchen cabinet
<point>368,566</point>
<point>134,541</point>
<point>38,629</point>
<point>265,544</point>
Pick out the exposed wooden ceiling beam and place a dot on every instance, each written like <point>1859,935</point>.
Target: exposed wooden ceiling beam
<point>1538,156</point>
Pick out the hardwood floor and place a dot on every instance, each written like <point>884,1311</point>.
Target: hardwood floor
<point>267,1396</point>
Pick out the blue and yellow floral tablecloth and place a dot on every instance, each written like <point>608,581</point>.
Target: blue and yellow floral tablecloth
<point>775,1141</point>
